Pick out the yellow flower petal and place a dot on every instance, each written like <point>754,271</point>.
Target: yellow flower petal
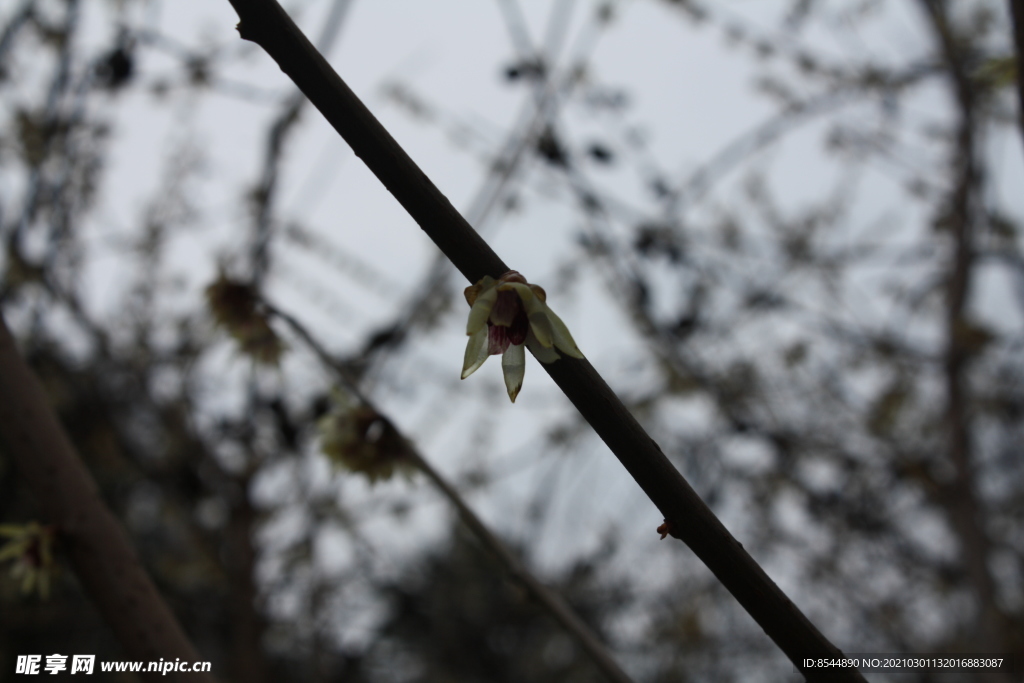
<point>513,365</point>
<point>536,312</point>
<point>12,549</point>
<point>481,310</point>
<point>523,290</point>
<point>545,354</point>
<point>563,339</point>
<point>540,325</point>
<point>473,291</point>
<point>476,352</point>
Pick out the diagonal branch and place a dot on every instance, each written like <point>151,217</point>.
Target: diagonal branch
<point>96,546</point>
<point>266,23</point>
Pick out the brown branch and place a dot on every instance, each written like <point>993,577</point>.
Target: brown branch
<point>248,661</point>
<point>277,135</point>
<point>18,20</point>
<point>266,23</point>
<point>962,504</point>
<point>548,598</point>
<point>95,544</point>
<point>1017,12</point>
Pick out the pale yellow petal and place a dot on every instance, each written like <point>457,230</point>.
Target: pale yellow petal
<point>12,549</point>
<point>473,291</point>
<point>562,337</point>
<point>545,354</point>
<point>481,310</point>
<point>540,325</point>
<point>537,313</point>
<point>476,352</point>
<point>513,365</point>
<point>523,290</point>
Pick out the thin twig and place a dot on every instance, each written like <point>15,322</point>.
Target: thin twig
<point>1017,12</point>
<point>549,599</point>
<point>8,34</point>
<point>689,518</point>
<point>963,507</point>
<point>283,124</point>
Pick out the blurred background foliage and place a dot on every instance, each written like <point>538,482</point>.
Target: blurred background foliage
<point>839,375</point>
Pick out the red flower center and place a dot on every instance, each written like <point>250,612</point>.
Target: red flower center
<point>507,324</point>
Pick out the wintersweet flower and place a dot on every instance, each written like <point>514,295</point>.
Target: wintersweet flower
<point>30,548</point>
<point>237,307</point>
<point>358,438</point>
<point>507,316</point>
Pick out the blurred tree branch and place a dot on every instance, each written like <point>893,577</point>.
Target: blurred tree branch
<point>962,217</point>
<point>266,23</point>
<point>1017,13</point>
<point>93,541</point>
<point>281,127</point>
<point>558,608</point>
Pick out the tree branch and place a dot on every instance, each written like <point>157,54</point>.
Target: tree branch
<point>1017,12</point>
<point>266,23</point>
<point>277,135</point>
<point>97,548</point>
<point>963,507</point>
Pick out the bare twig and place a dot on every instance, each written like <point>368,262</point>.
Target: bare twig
<point>548,598</point>
<point>96,546</point>
<point>16,22</point>
<point>277,136</point>
<point>961,214</point>
<point>1017,12</point>
<point>267,24</point>
<point>249,661</point>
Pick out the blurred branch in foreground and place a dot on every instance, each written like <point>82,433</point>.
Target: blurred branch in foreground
<point>94,543</point>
